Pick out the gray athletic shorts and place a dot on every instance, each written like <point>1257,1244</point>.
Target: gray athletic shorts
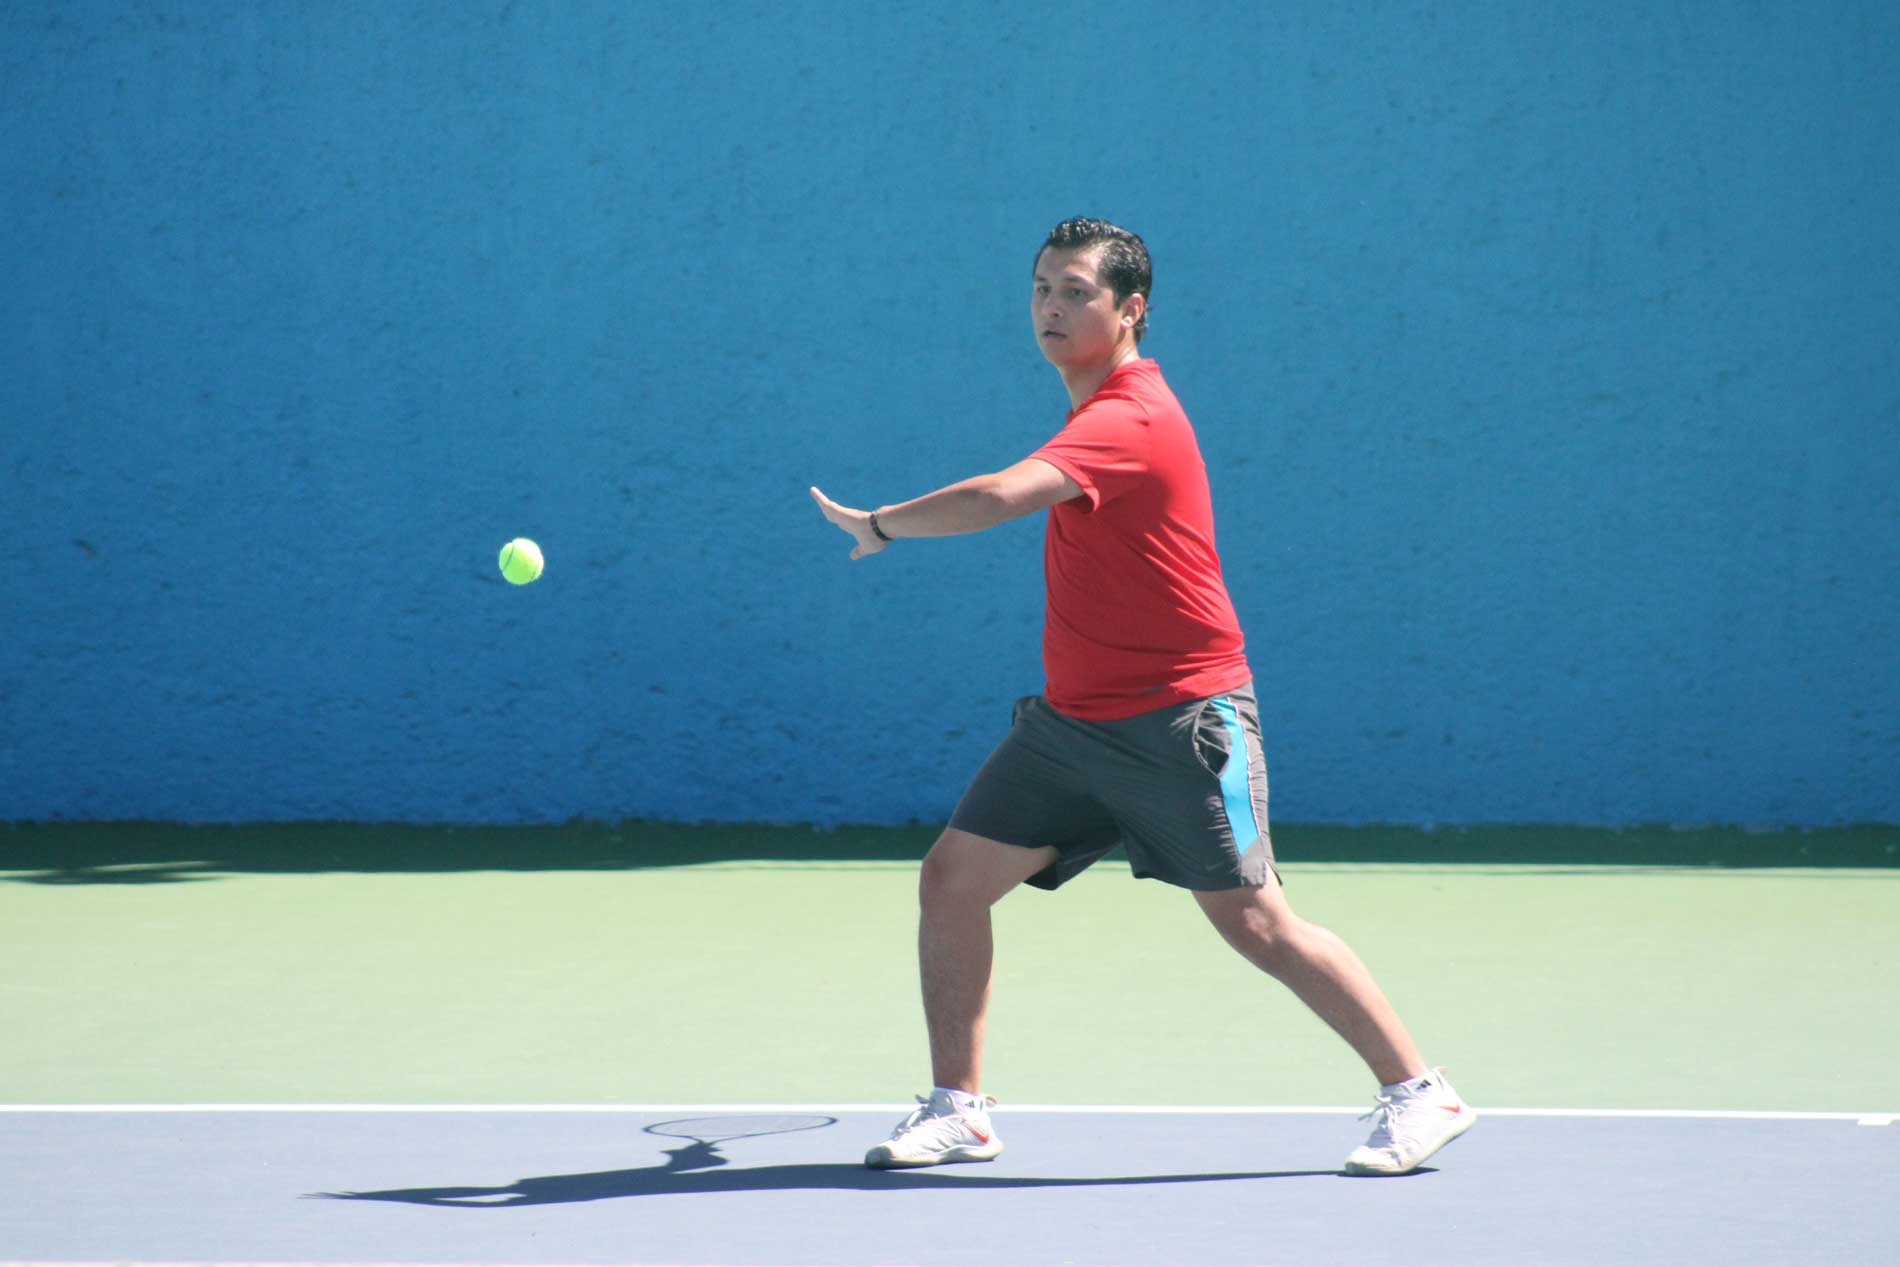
<point>1183,789</point>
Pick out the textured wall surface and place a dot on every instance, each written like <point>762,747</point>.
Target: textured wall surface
<point>1545,366</point>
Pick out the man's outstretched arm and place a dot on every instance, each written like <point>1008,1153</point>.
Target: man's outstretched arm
<point>971,505</point>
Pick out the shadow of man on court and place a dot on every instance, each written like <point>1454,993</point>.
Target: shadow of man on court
<point>699,1167</point>
<point>688,1171</point>
<point>555,1189</point>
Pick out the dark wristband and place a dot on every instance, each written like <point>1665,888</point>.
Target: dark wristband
<point>877,531</point>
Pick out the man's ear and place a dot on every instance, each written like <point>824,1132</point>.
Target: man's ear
<point>1132,309</point>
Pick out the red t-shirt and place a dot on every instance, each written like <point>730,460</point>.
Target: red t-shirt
<point>1138,616</point>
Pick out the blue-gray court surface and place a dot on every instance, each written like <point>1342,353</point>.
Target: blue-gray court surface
<point>1119,1186</point>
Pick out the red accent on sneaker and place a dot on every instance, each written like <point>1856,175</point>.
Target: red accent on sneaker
<point>1452,1108</point>
<point>981,1138</point>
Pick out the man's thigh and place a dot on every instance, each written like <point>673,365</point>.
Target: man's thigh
<point>1033,792</point>
<point>1188,788</point>
<point>978,868</point>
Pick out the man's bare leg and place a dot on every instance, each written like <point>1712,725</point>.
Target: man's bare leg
<point>1414,1120</point>
<point>1321,970</point>
<point>963,876</point>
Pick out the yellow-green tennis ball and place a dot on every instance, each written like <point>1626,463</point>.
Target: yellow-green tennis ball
<point>520,561</point>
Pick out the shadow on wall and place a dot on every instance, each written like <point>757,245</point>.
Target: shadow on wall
<point>128,853</point>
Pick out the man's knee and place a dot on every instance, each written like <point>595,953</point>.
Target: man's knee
<point>1258,923</point>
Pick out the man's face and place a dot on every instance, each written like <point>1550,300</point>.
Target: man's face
<point>1076,318</point>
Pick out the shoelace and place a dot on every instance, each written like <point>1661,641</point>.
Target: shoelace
<point>1394,1116</point>
<point>1384,1109</point>
<point>938,1128</point>
<point>916,1114</point>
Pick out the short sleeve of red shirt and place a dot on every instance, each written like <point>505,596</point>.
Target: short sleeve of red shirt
<point>1106,447</point>
<point>1138,615</point>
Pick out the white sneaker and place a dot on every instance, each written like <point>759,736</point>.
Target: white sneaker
<point>1411,1121</point>
<point>937,1132</point>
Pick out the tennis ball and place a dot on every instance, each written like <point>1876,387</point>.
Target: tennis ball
<point>520,561</point>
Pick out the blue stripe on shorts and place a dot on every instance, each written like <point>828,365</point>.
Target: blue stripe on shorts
<point>1234,787</point>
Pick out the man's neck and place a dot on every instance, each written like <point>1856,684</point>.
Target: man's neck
<point>1085,382</point>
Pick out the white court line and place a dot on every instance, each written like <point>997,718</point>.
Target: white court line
<point>1263,1110</point>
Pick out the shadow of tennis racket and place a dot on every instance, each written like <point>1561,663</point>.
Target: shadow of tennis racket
<point>705,1135</point>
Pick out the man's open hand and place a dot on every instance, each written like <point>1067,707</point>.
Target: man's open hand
<point>855,522</point>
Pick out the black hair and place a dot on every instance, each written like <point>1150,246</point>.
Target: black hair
<point>1124,267</point>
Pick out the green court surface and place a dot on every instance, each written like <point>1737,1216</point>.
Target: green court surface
<point>656,965</point>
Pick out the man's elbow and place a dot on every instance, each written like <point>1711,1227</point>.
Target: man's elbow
<point>1000,499</point>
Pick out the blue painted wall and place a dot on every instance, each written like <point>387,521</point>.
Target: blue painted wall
<point>1544,362</point>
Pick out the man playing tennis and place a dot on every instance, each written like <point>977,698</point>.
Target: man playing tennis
<point>1148,735</point>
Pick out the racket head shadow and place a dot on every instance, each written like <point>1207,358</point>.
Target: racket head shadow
<point>720,1129</point>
